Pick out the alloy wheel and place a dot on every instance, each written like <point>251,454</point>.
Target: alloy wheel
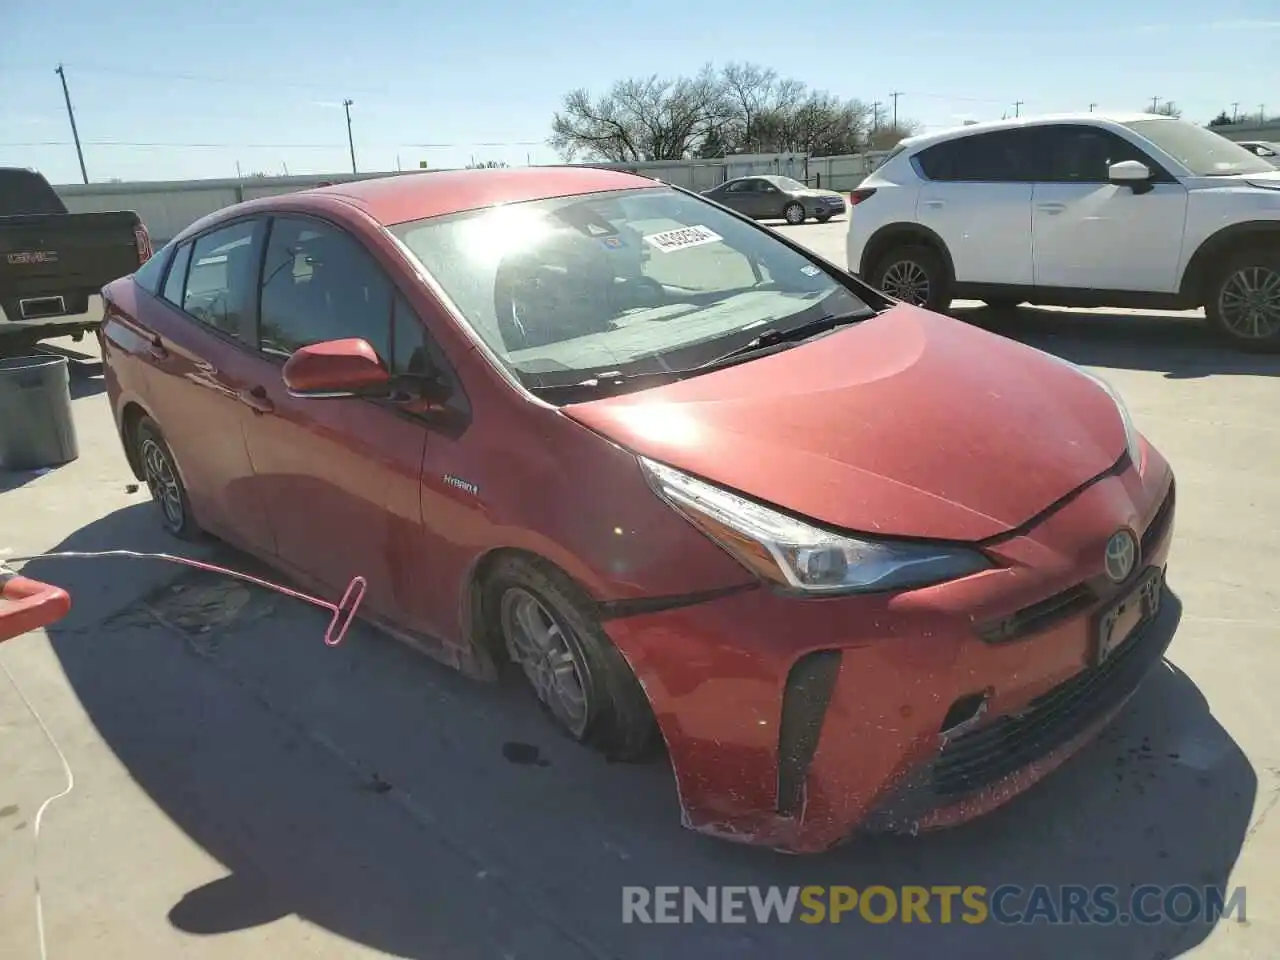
<point>540,642</point>
<point>794,214</point>
<point>162,481</point>
<point>907,281</point>
<point>1249,303</point>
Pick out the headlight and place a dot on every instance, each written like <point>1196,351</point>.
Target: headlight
<point>1132,439</point>
<point>800,556</point>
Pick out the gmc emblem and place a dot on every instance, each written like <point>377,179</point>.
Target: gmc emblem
<point>33,256</point>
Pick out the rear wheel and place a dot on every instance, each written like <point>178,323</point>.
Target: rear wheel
<point>160,471</point>
<point>1243,302</point>
<point>916,275</point>
<point>793,213</point>
<point>577,674</point>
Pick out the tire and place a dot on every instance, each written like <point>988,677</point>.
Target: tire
<point>900,265</point>
<point>823,217</point>
<point>601,704</point>
<point>1242,300</point>
<point>160,471</point>
<point>794,213</point>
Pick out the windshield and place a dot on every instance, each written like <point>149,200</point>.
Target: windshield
<point>786,183</point>
<point>632,281</point>
<point>1203,152</point>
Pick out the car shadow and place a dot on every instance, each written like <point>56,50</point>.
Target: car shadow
<point>1177,345</point>
<point>385,798</point>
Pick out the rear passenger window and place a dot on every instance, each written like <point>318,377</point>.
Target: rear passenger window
<point>177,276</point>
<point>149,274</point>
<point>1003,156</point>
<point>318,284</point>
<point>220,279</point>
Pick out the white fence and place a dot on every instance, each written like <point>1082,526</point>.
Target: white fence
<point>166,207</point>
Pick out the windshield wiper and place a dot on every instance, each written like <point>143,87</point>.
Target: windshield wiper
<point>773,337</point>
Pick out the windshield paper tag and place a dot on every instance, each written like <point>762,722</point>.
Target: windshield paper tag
<point>671,240</point>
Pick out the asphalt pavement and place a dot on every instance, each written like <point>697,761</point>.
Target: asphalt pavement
<point>241,791</point>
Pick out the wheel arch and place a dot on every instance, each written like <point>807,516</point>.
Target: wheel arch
<point>902,234</point>
<point>131,414</point>
<point>1218,245</point>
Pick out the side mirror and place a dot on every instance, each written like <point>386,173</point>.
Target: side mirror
<point>1130,173</point>
<point>336,368</point>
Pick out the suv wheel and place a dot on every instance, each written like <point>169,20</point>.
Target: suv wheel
<point>1243,300</point>
<point>916,275</point>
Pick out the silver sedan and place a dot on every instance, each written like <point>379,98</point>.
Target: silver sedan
<point>777,198</point>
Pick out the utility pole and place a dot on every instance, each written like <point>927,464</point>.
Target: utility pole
<point>1154,102</point>
<point>1262,113</point>
<point>351,143</point>
<point>1169,107</point>
<point>1235,112</point>
<point>875,116</point>
<point>896,94</point>
<point>1091,106</point>
<point>1017,108</point>
<point>71,114</point>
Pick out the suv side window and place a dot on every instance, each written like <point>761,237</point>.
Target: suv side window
<point>219,287</point>
<point>1081,154</point>
<point>1002,156</point>
<point>319,284</point>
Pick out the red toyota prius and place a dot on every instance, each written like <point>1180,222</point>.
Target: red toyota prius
<point>859,566</point>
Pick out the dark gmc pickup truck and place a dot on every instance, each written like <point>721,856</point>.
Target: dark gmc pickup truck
<point>52,262</point>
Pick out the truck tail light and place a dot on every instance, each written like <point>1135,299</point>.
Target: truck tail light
<point>143,241</point>
<point>862,193</point>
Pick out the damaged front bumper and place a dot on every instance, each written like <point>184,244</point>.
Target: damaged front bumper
<point>798,724</point>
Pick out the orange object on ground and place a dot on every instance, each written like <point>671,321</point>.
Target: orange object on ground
<point>28,604</point>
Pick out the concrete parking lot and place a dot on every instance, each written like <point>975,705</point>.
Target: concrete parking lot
<point>241,791</point>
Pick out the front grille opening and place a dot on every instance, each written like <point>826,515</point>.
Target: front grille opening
<point>1041,616</point>
<point>1159,524</point>
<point>804,706</point>
<point>963,712</point>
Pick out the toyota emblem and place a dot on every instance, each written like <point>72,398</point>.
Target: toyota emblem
<point>1122,554</point>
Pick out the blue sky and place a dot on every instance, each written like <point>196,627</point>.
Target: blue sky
<point>195,88</point>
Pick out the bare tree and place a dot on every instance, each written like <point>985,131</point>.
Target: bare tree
<point>641,119</point>
<point>889,136</point>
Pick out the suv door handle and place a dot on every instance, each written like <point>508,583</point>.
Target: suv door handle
<point>935,204</point>
<point>256,399</point>
<point>1051,207</point>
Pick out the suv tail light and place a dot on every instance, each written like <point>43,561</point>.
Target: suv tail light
<point>862,193</point>
<point>143,241</point>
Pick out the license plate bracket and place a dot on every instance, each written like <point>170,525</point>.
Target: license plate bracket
<point>1124,618</point>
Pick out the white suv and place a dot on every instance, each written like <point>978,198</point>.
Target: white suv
<point>1079,211</point>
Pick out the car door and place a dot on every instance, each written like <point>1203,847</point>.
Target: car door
<point>341,476</point>
<point>977,198</point>
<point>1091,234</point>
<point>770,201</point>
<point>199,374</point>
<point>742,195</point>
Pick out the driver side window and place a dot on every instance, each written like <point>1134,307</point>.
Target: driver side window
<point>318,284</point>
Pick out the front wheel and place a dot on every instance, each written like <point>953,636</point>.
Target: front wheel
<point>793,213</point>
<point>916,275</point>
<point>823,217</point>
<point>577,674</point>
<point>1243,302</point>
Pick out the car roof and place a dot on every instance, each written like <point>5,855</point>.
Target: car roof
<point>1096,119</point>
<point>416,196</point>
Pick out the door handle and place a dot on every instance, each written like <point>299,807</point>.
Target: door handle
<point>157,349</point>
<point>256,399</point>
<point>935,204</point>
<point>1051,208</point>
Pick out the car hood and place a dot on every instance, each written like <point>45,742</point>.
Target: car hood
<point>908,424</point>
<point>819,193</point>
